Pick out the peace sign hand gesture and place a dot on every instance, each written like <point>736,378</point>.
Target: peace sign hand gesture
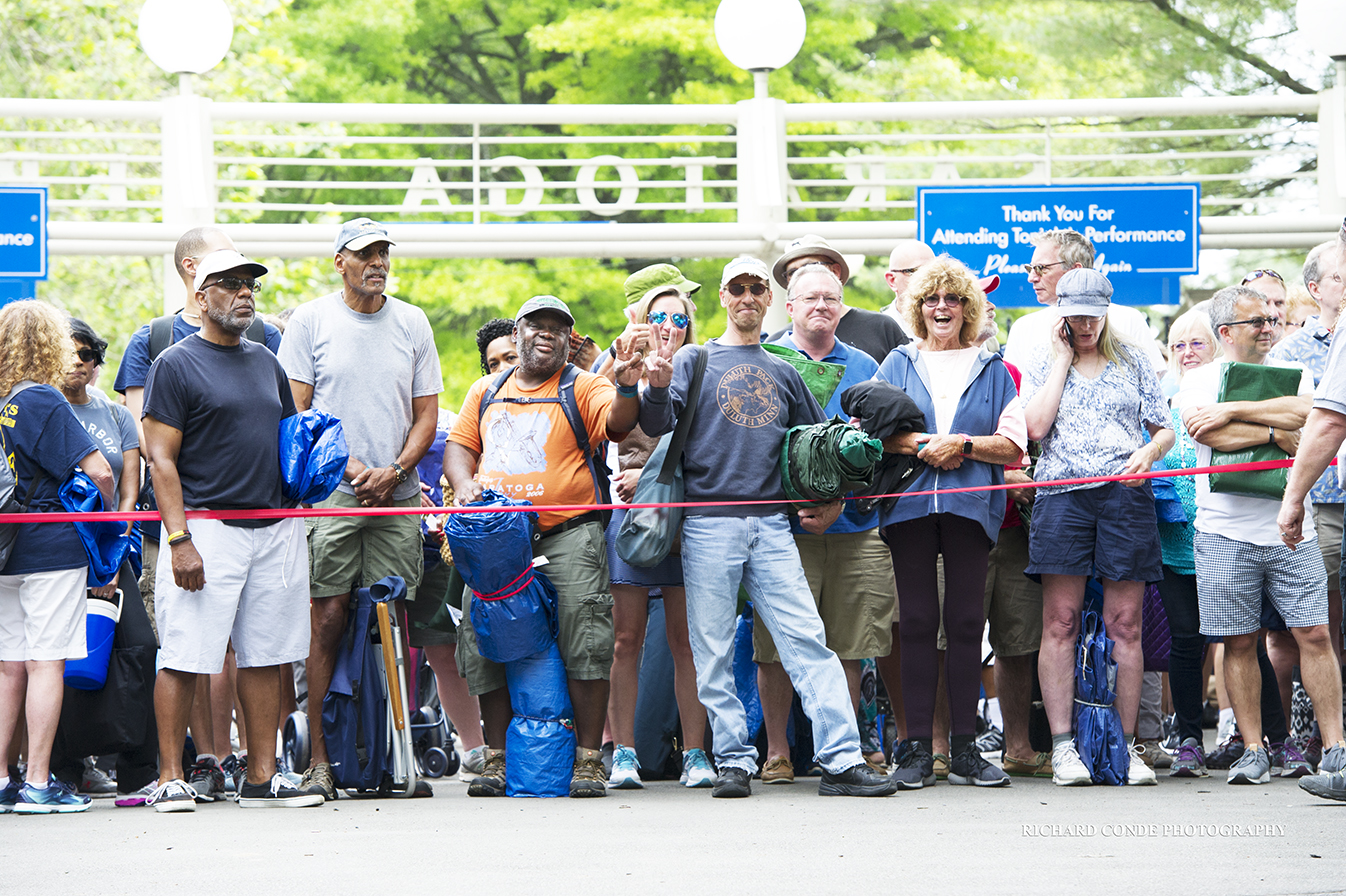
<point>659,366</point>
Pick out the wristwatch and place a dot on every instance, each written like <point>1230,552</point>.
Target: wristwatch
<point>399,472</point>
<point>967,446</point>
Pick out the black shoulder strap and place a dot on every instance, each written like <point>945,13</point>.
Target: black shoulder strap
<point>679,440</point>
<point>161,335</point>
<point>488,397</point>
<point>571,406</point>
<point>256,331</point>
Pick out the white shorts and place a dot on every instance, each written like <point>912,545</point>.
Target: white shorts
<point>256,595</point>
<point>42,615</point>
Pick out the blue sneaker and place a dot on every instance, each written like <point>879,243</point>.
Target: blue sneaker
<point>696,770</point>
<point>55,797</point>
<point>624,775</point>
<point>9,794</point>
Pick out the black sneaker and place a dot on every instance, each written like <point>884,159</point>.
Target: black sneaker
<point>731,782</point>
<point>278,793</point>
<point>913,767</point>
<point>968,767</point>
<point>1226,754</point>
<point>858,780</point>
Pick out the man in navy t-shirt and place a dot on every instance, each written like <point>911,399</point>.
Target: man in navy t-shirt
<point>213,405</point>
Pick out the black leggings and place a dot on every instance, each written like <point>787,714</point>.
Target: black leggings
<point>915,545</point>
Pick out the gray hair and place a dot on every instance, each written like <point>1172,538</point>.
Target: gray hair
<point>1073,246</point>
<point>1222,304</point>
<point>814,268</point>
<point>1313,269</point>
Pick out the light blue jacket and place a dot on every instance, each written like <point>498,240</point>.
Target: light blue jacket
<point>989,390</point>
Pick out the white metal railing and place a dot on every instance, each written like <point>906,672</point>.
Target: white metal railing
<point>124,175</point>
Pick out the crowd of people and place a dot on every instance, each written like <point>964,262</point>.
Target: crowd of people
<point>1029,503</point>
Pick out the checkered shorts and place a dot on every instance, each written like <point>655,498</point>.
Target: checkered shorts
<point>1232,577</point>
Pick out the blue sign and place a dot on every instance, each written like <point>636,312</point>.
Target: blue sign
<point>1145,235</point>
<point>23,233</point>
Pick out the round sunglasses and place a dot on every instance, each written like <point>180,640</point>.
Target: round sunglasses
<point>658,317</point>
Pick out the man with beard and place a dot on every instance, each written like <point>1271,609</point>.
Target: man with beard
<point>368,359</point>
<point>213,404</point>
<point>496,446</point>
<point>748,400</point>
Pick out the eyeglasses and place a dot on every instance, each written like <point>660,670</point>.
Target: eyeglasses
<point>234,284</point>
<point>1261,272</point>
<point>1258,322</point>
<point>658,317</point>
<point>829,301</point>
<point>87,354</point>
<point>932,301</point>
<point>1196,345</point>
<point>907,271</point>
<point>736,289</point>
<point>1039,269</point>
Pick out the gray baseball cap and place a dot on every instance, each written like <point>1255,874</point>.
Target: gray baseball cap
<point>544,303</point>
<point>360,232</point>
<point>1083,291</point>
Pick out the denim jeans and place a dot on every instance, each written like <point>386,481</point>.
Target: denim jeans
<point>719,553</point>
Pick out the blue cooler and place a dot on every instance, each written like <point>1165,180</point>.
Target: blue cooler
<point>100,626</point>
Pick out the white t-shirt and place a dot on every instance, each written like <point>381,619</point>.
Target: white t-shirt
<point>1237,517</point>
<point>1030,337</point>
<point>948,379</point>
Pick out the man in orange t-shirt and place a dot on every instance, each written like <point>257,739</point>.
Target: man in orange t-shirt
<point>524,447</point>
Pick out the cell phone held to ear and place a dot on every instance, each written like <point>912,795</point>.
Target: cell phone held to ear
<point>1070,334</point>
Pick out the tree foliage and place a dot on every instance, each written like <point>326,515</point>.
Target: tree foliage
<point>615,51</point>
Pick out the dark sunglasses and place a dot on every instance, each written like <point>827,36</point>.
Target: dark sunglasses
<point>736,289</point>
<point>87,354</point>
<point>932,301</point>
<point>1261,272</point>
<point>234,284</point>
<point>658,317</point>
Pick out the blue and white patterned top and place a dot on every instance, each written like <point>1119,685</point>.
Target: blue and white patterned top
<point>1100,422</point>
<point>1310,347</point>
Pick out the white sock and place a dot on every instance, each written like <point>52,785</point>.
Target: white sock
<point>993,713</point>
<point>4,782</point>
<point>1226,716</point>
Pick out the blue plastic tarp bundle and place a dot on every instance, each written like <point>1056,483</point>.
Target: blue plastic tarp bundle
<point>106,542</point>
<point>513,606</point>
<point>354,712</point>
<point>745,671</point>
<point>313,456</point>
<point>540,742</point>
<point>1098,728</point>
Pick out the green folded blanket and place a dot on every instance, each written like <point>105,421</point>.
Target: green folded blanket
<point>1253,382</point>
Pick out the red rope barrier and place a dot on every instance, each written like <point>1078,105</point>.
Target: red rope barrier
<point>278,514</point>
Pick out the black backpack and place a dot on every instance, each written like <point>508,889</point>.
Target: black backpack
<point>570,406</point>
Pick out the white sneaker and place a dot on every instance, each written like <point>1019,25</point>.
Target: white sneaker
<point>1067,768</point>
<point>474,760</point>
<point>696,770</point>
<point>1139,773</point>
<point>624,774</point>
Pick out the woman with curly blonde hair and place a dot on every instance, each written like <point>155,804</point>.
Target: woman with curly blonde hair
<point>43,580</point>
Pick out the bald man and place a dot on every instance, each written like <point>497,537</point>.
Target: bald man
<point>906,257</point>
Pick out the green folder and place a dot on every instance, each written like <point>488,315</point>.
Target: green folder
<point>1254,382</point>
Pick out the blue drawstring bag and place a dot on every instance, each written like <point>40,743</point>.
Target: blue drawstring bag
<point>105,541</point>
<point>1098,728</point>
<point>313,456</point>
<point>513,606</point>
<point>540,742</point>
<point>490,550</point>
<point>520,622</point>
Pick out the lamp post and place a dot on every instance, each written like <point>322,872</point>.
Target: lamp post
<point>1323,25</point>
<point>186,38</point>
<point>761,36</point>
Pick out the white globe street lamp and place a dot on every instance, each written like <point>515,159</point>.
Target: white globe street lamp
<point>760,36</point>
<point>185,37</point>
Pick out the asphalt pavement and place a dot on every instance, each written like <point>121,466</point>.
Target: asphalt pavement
<point>1182,836</point>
